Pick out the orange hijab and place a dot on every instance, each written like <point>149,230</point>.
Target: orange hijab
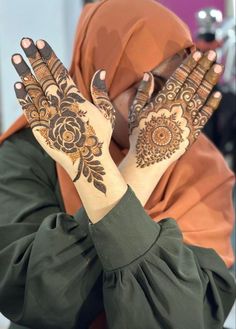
<point>127,38</point>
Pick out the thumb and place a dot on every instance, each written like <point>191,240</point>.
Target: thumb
<point>100,96</point>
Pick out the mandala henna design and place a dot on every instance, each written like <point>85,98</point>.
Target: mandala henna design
<point>173,124</point>
<point>161,136</point>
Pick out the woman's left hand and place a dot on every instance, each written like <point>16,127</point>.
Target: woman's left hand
<point>69,127</point>
<point>163,126</point>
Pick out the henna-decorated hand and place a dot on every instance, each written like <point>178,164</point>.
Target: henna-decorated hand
<point>70,128</point>
<point>163,127</point>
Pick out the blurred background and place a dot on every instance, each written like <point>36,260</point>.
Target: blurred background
<point>212,23</point>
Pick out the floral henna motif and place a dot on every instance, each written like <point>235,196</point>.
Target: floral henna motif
<point>68,133</point>
<point>67,130</point>
<point>58,112</point>
<point>62,123</point>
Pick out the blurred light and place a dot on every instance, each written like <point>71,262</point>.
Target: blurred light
<point>202,14</point>
<point>231,33</point>
<point>217,14</point>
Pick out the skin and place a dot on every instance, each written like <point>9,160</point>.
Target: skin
<point>54,109</point>
<point>124,100</point>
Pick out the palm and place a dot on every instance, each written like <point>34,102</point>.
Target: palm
<point>73,131</point>
<point>164,132</point>
<point>169,124</point>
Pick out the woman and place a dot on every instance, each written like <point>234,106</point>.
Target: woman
<point>61,270</point>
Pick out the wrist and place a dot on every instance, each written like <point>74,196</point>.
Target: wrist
<point>142,180</point>
<point>130,162</point>
<point>97,203</point>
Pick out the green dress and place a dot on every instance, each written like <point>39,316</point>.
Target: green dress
<point>59,271</point>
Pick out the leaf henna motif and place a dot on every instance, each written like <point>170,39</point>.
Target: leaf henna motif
<point>92,171</point>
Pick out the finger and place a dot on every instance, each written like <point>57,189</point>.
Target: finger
<point>57,69</point>
<point>100,96</point>
<point>142,97</point>
<point>42,72</point>
<point>206,112</point>
<point>31,84</point>
<point>29,109</point>
<point>210,80</point>
<point>195,78</point>
<point>176,81</point>
<point>32,87</point>
<point>205,88</point>
<point>144,91</point>
<point>211,105</point>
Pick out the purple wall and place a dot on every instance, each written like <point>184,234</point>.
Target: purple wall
<point>186,9</point>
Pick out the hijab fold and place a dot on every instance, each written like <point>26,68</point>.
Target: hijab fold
<point>128,38</point>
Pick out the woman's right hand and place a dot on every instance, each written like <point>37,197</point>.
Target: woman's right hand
<point>163,126</point>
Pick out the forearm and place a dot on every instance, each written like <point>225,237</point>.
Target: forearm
<point>96,203</point>
<point>142,180</point>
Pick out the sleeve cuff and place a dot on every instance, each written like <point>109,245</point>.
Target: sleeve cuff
<point>124,234</point>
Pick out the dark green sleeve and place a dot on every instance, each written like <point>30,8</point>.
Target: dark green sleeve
<point>152,279</point>
<point>50,274</point>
